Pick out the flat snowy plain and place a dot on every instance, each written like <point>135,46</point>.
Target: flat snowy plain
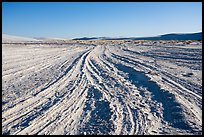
<point>102,88</point>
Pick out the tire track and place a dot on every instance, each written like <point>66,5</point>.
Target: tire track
<point>103,89</point>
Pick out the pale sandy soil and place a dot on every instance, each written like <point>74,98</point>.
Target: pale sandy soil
<point>102,89</point>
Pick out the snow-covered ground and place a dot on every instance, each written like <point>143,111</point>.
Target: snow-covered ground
<point>107,88</point>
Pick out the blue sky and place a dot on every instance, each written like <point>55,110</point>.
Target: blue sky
<point>109,19</point>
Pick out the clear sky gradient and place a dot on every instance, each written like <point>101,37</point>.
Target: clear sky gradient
<point>108,19</point>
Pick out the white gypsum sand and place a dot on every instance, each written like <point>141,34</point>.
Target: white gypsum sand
<point>102,88</point>
<point>11,38</point>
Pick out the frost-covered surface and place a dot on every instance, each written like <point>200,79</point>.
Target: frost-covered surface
<point>104,89</point>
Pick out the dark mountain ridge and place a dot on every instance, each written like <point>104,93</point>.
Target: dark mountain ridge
<point>172,36</point>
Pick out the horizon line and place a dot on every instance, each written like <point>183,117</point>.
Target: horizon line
<point>101,36</point>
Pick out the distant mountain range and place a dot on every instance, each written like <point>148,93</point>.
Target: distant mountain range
<point>186,36</point>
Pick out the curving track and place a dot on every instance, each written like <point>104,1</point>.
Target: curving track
<point>103,89</point>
